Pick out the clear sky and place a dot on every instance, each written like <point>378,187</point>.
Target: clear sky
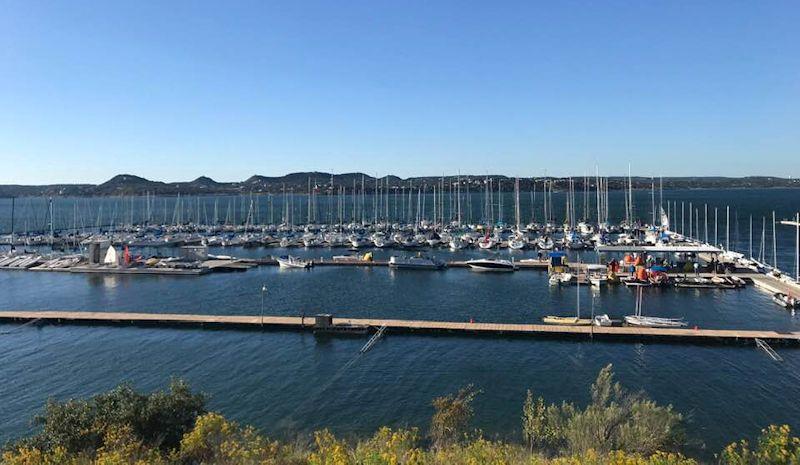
<point>173,90</point>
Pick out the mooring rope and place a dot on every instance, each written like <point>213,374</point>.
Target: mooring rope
<point>35,320</point>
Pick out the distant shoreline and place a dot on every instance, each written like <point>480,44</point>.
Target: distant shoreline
<point>327,183</point>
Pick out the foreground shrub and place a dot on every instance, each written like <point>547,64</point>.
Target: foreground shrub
<point>614,420</point>
<point>124,427</point>
<point>452,416</point>
<point>157,420</point>
<point>775,446</point>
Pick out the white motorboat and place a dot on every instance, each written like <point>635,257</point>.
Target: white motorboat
<point>419,262</point>
<point>488,264</point>
<point>288,261</point>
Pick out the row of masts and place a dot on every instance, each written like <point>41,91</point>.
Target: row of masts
<point>438,204</point>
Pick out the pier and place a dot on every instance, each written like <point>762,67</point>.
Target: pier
<point>296,323</point>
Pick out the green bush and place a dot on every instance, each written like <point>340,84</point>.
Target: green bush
<point>124,427</point>
<point>158,420</point>
<point>614,420</point>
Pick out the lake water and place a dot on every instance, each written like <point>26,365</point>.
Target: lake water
<point>288,383</point>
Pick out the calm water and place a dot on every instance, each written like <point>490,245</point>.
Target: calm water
<point>287,383</point>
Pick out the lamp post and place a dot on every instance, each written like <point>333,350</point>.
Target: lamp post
<point>263,292</point>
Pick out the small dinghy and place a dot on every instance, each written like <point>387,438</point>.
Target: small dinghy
<point>566,321</point>
<point>602,320</point>
<point>784,300</point>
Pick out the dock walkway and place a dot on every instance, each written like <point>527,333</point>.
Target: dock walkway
<point>293,323</point>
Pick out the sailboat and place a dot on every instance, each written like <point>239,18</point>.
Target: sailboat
<point>569,320</point>
<point>651,321</point>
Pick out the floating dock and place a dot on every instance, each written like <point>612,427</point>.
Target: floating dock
<point>296,323</point>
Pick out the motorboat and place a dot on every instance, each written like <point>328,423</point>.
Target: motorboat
<point>633,282</point>
<point>557,279</point>
<point>419,262</point>
<point>288,261</point>
<point>488,264</point>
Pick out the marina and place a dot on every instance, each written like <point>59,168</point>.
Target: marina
<point>559,310</point>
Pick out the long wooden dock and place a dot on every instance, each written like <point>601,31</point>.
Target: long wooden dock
<point>296,323</point>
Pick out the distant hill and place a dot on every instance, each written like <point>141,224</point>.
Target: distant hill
<point>128,184</point>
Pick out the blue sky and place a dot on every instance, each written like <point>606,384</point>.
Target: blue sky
<point>174,90</point>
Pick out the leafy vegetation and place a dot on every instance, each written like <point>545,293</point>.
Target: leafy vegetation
<point>125,427</point>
